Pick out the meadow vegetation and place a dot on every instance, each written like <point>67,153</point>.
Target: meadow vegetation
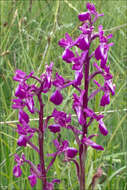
<point>30,31</point>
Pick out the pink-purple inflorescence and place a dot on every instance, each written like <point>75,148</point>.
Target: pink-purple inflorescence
<point>80,64</point>
<point>77,53</point>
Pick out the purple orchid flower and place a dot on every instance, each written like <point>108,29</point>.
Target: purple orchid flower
<point>101,53</point>
<point>69,152</point>
<point>78,77</point>
<point>89,142</point>
<point>79,60</point>
<point>23,139</point>
<point>87,16</point>
<point>55,128</point>
<point>58,81</point>
<point>23,117</point>
<point>18,104</point>
<point>25,98</point>
<point>67,42</point>
<point>46,78</point>
<point>68,55</point>
<point>24,129</point>
<point>21,76</point>
<point>77,106</point>
<point>32,178</point>
<point>61,118</point>
<point>81,65</point>
<point>82,42</point>
<point>105,100</point>
<point>56,97</point>
<point>17,172</point>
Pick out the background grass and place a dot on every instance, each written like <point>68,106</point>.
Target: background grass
<point>30,31</point>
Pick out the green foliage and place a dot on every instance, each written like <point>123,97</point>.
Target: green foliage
<point>30,31</point>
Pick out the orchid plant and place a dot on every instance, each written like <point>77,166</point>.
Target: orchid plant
<point>78,53</point>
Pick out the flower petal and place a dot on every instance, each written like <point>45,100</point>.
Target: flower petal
<point>67,42</point>
<point>22,141</point>
<point>55,128</point>
<point>56,97</point>
<point>105,100</point>
<point>61,117</point>
<point>33,180</point>
<point>102,128</point>
<point>17,172</point>
<point>84,16</point>
<point>67,55</point>
<point>23,117</point>
<point>92,144</point>
<point>90,7</point>
<point>30,103</point>
<point>82,42</point>
<point>110,86</point>
<point>58,81</point>
<point>19,75</point>
<point>20,92</point>
<point>46,78</point>
<point>71,152</point>
<point>18,104</point>
<point>78,77</point>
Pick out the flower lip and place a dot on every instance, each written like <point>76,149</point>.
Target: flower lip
<point>102,128</point>
<point>55,128</point>
<point>78,77</point>
<point>56,98</point>
<point>20,91</point>
<point>46,78</point>
<point>71,152</point>
<point>24,129</point>
<point>22,141</point>
<point>68,55</point>
<point>23,117</point>
<point>58,81</point>
<point>82,42</point>
<point>17,172</point>
<point>77,106</point>
<point>105,100</point>
<point>61,117</point>
<point>67,42</point>
<point>30,104</point>
<point>18,159</point>
<point>84,16</point>
<point>33,180</point>
<point>110,86</point>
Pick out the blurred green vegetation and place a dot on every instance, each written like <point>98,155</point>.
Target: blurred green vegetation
<point>30,31</point>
